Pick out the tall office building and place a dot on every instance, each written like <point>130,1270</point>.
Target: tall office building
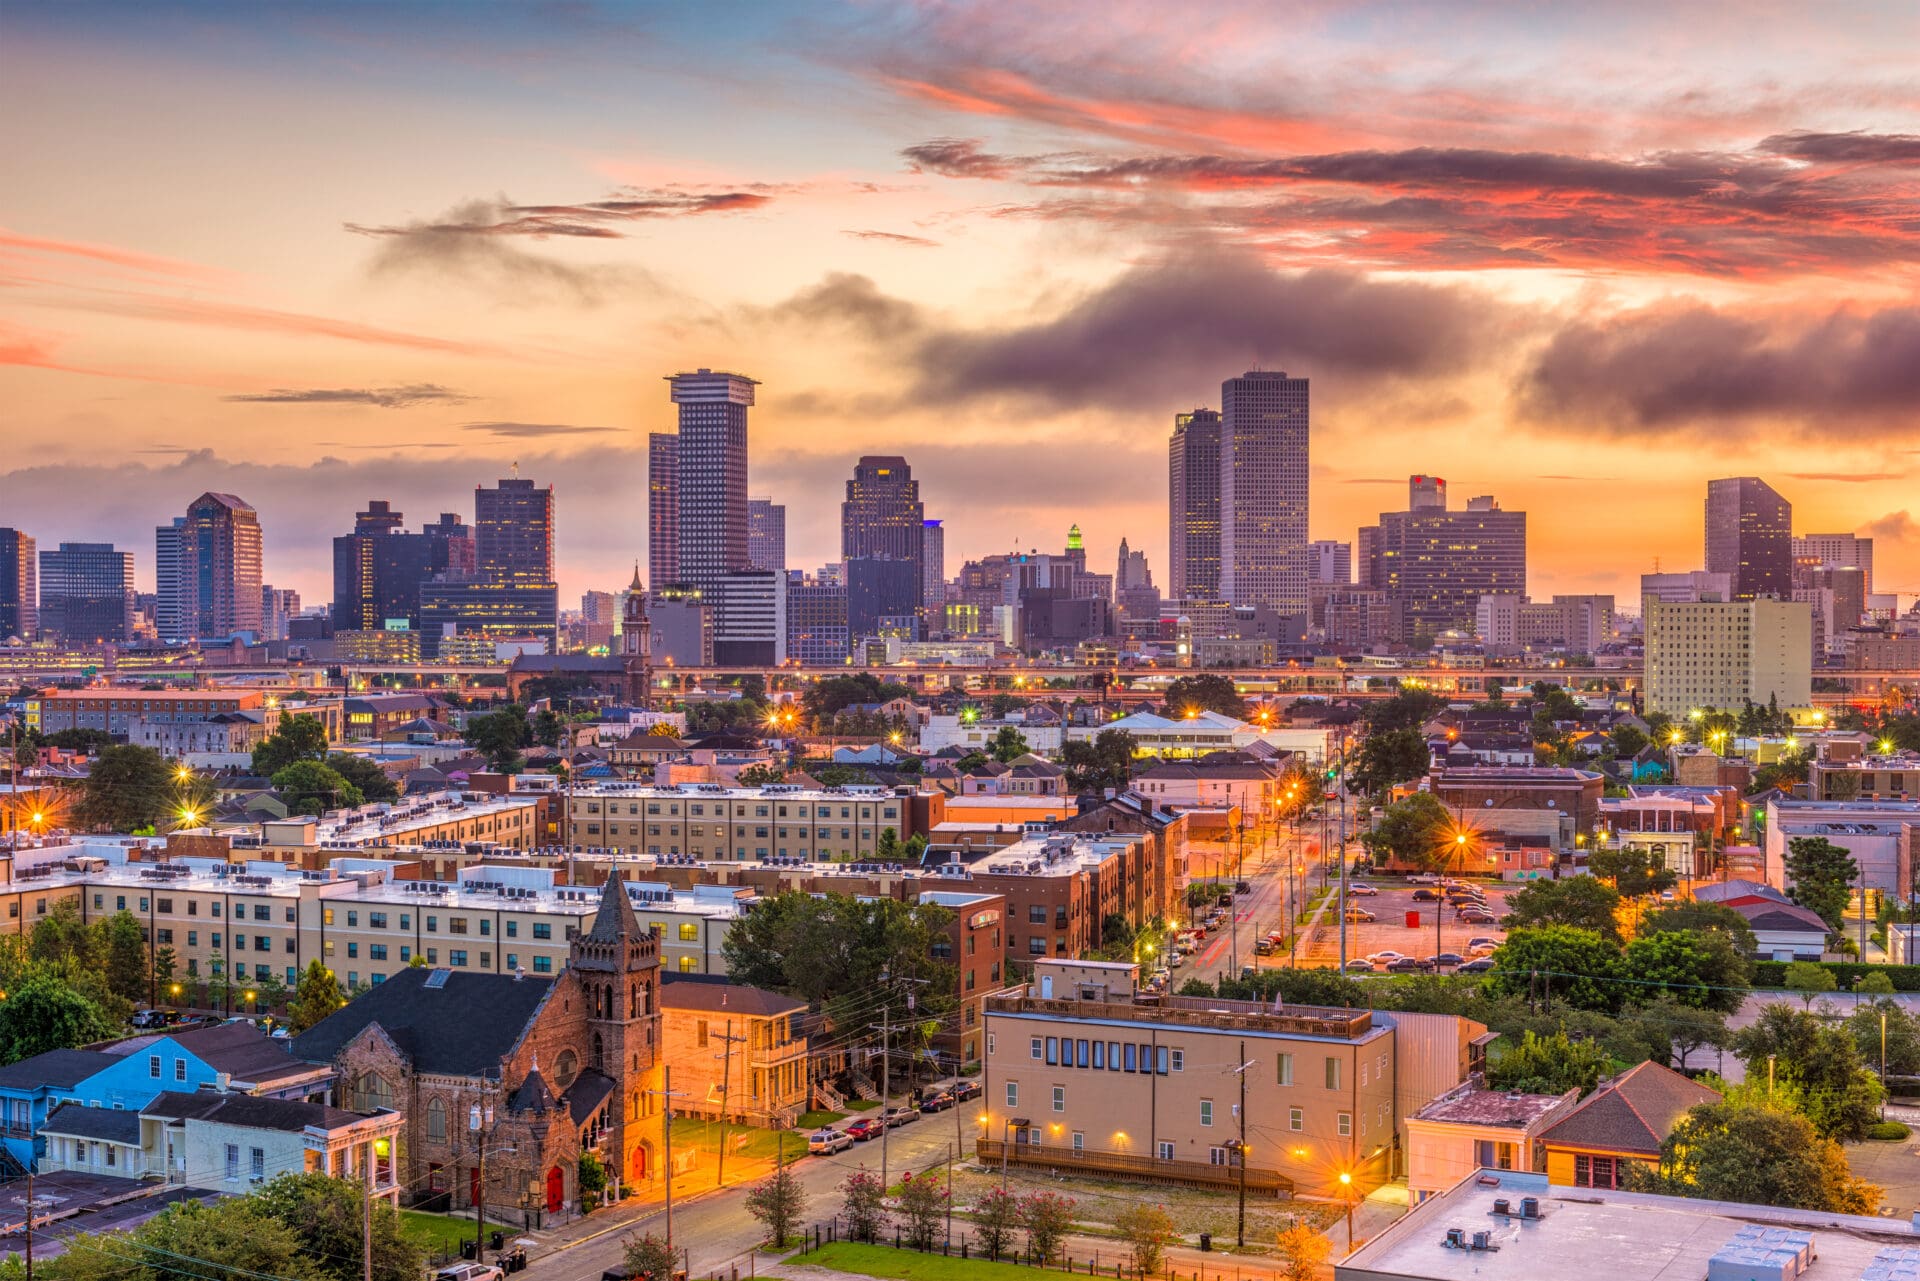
<point>816,621</point>
<point>883,596</point>
<point>19,586</point>
<point>1835,551</point>
<point>1131,570</point>
<point>1330,562</point>
<point>711,470</point>
<point>933,568</point>
<point>279,606</point>
<point>513,531</point>
<point>1750,536</point>
<point>766,535</point>
<point>1263,491</point>
<point>1435,564</point>
<point>209,569</point>
<point>663,509</point>
<point>1193,506</point>
<point>510,592</point>
<point>1426,491</point>
<point>86,593</point>
<point>882,519</point>
<point>378,568</point>
<point>1694,585</point>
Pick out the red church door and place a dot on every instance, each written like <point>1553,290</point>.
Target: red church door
<point>638,1167</point>
<point>556,1187</point>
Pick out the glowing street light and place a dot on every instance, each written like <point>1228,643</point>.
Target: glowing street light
<point>1886,747</point>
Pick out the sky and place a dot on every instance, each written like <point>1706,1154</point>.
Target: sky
<point>1582,258</point>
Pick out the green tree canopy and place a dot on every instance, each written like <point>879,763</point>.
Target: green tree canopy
<point>1387,757</point>
<point>1008,744</point>
<point>312,788</point>
<point>1755,1155</point>
<point>1580,901</point>
<point>825,699</point>
<point>500,736</point>
<point>1105,762</point>
<point>1822,875</point>
<point>1574,967</point>
<point>1694,969</point>
<point>315,997</point>
<point>1630,869</point>
<point>298,737</point>
<point>1205,692</point>
<point>125,951</point>
<point>1840,1097</point>
<point>1692,916</point>
<point>43,1013</point>
<point>364,774</point>
<point>1413,831</point>
<point>1407,709</point>
<point>325,1214</point>
<point>832,950</point>
<point>1548,1065</point>
<point>130,787</point>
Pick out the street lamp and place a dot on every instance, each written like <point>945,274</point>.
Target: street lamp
<point>1346,1194</point>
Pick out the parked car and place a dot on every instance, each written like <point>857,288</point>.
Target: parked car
<point>1363,891</point>
<point>1426,896</point>
<point>1447,958</point>
<point>1666,896</point>
<point>1386,956</point>
<point>1482,945</point>
<point>1360,914</point>
<point>1359,966</point>
<point>1261,947</point>
<point>828,1141</point>
<point>863,1129</point>
<point>966,1090</point>
<point>1408,965</point>
<point>901,1116</point>
<point>470,1272</point>
<point>155,1018</point>
<point>1478,965</point>
<point>936,1103</point>
<point>1423,878</point>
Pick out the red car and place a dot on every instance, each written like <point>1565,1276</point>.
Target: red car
<point>863,1129</point>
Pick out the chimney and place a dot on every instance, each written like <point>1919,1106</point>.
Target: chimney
<point>222,1080</point>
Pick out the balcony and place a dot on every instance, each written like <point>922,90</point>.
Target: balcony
<point>1127,1165</point>
<point>1199,1012</point>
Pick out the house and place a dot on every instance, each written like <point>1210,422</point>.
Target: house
<point>549,1067</point>
<point>1624,1121</point>
<point>735,1051</point>
<point>1218,780</point>
<point>1471,1127</point>
<point>1784,931</point>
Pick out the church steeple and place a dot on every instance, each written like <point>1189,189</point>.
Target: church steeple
<point>636,643</point>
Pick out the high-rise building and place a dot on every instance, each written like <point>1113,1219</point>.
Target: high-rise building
<point>378,568</point>
<point>513,531</point>
<point>86,593</point>
<point>1694,585</point>
<point>711,470</point>
<point>883,595</point>
<point>882,518</point>
<point>750,618</point>
<point>663,508</point>
<point>1750,536</point>
<point>1426,491</point>
<point>1435,564</point>
<point>19,586</point>
<point>933,568</point>
<point>510,592</point>
<point>817,631</point>
<point>279,606</point>
<point>1263,490</point>
<point>1723,654</point>
<point>1131,570</point>
<point>209,570</point>
<point>1193,506</point>
<point>1329,562</point>
<point>1836,551</point>
<point>766,535</point>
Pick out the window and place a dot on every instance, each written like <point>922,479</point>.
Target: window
<point>1333,1073</point>
<point>486,925</point>
<point>436,1120</point>
<point>257,1162</point>
<point>1206,1111</point>
<point>542,930</point>
<point>513,929</point>
<point>261,943</point>
<point>113,1153</point>
<point>353,919</point>
<point>1037,945</point>
<point>1160,1061</point>
<point>456,925</point>
<point>1080,1053</point>
<point>689,932</point>
<point>1079,1141</point>
<point>1296,1119</point>
<point>179,1069</point>
<point>233,1160</point>
<point>1596,1172</point>
<point>1285,1074</point>
<point>543,965</point>
<point>353,949</point>
<point>1131,1062</point>
<point>1059,1098</point>
<point>1037,914</point>
<point>989,1045</point>
<point>1179,1060</point>
<point>376,951</point>
<point>1013,1094</point>
<point>406,920</point>
<point>1343,1124</point>
<point>153,1066</point>
<point>513,962</point>
<point>1164,1151</point>
<point>1033,1048</point>
<point>377,920</point>
<point>1217,1156</point>
<point>1053,1049</point>
<point>433,925</point>
<point>457,957</point>
<point>1099,1055</point>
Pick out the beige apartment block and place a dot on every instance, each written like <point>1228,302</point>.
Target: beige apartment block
<point>1713,653</point>
<point>708,821</point>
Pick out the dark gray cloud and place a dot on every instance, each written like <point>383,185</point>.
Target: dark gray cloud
<point>586,219</point>
<point>1894,526</point>
<point>849,299</point>
<point>454,248</point>
<point>1687,366</point>
<point>894,238</point>
<point>1847,148</point>
<point>534,431</point>
<point>379,397</point>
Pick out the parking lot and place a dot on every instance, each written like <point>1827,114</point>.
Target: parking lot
<point>1390,932</point>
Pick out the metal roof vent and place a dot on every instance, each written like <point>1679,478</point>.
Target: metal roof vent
<point>1758,1253</point>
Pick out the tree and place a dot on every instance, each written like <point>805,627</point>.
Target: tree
<point>165,962</point>
<point>1407,709</point>
<point>1413,831</point>
<point>299,737</point>
<point>326,1215</point>
<point>1205,692</point>
<point>995,1216</point>
<point>1579,901</point>
<point>1561,963</point>
<point>760,775</point>
<point>1822,874</point>
<point>234,1237</point>
<point>499,736</point>
<point>1548,1065</point>
<point>830,950</point>
<point>922,1201</point>
<point>547,728</point>
<point>1631,870</point>
<point>126,956</point>
<point>1106,762</point>
<point>1682,1028</point>
<point>1874,984</point>
<point>1009,744</point>
<point>778,1201</point>
<point>1754,1155</point>
<point>824,699</point>
<point>1388,757</point>
<point>315,997</point>
<point>43,1013</point>
<point>1628,740</point>
<point>648,1258</point>
<point>1303,1251</point>
<point>1902,1035</point>
<point>1047,1217</point>
<point>1693,917</point>
<point>60,939</point>
<point>130,787</point>
<point>842,776</point>
<point>1701,970</point>
<point>1146,1229</point>
<point>592,1178</point>
<point>1810,979</point>
<point>1838,1095</point>
<point>312,788</point>
<point>373,782</point>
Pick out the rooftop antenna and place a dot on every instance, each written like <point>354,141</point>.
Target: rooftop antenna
<point>516,469</point>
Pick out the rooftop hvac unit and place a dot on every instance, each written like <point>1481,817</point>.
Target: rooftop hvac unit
<point>1529,1207</point>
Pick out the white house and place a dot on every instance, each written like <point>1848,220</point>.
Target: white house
<point>1205,732</point>
<point>971,732</point>
<point>1471,1127</point>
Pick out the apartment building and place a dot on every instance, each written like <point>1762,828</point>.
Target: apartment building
<point>708,821</point>
<point>974,943</point>
<point>497,820</point>
<point>1882,776</point>
<point>118,711</point>
<point>1882,836</point>
<point>1080,1078</point>
<point>1726,653</point>
<point>1062,889</point>
<point>736,1052</point>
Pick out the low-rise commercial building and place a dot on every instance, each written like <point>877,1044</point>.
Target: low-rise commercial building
<point>1622,1123</point>
<point>1880,835</point>
<point>117,711</point>
<point>1200,732</point>
<point>1882,776</point>
<point>1471,1127</point>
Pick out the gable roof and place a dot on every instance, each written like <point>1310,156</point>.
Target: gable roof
<point>1786,917</point>
<point>251,1111</point>
<point>1634,1114</point>
<point>105,1125</point>
<point>687,992</point>
<point>242,1051</point>
<point>441,1029</point>
<point>62,1068</point>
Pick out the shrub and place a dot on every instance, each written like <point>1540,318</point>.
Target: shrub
<point>865,1215</point>
<point>1888,1131</point>
<point>994,1220</point>
<point>1147,1229</point>
<point>922,1200</point>
<point>1047,1217</point>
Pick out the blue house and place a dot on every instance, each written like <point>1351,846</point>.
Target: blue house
<point>127,1075</point>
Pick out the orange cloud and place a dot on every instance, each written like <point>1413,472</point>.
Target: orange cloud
<point>109,255</point>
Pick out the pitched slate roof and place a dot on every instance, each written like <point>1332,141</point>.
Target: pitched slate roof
<point>241,1051</point>
<point>441,1029</point>
<point>1634,1114</point>
<point>1781,916</point>
<point>688,992</point>
<point>587,1093</point>
<point>251,1111</point>
<point>106,1125</point>
<point>63,1068</point>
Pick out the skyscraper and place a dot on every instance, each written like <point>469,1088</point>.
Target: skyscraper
<point>1263,491</point>
<point>510,591</point>
<point>766,535</point>
<point>378,568</point>
<point>19,586</point>
<point>1750,536</point>
<point>513,531</point>
<point>279,606</point>
<point>1434,564</point>
<point>1426,491</point>
<point>663,508</point>
<point>209,570</point>
<point>1131,570</point>
<point>86,593</point>
<point>882,516</point>
<point>933,568</point>
<point>711,471</point>
<point>1331,562</point>
<point>1835,551</point>
<point>1193,506</point>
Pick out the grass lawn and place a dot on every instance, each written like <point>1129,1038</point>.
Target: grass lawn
<point>692,1132</point>
<point>442,1232</point>
<point>862,1105</point>
<point>814,1120</point>
<point>910,1265</point>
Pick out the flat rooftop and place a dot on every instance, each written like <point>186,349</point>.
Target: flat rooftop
<point>389,822</point>
<point>1053,855</point>
<point>718,792</point>
<point>1470,1104</point>
<point>1585,1232</point>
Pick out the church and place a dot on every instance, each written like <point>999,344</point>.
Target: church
<point>506,1079</point>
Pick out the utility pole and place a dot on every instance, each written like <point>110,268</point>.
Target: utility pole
<point>726,1083</point>
<point>886,1069</point>
<point>29,1218</point>
<point>1240,1231</point>
<point>666,1139</point>
<point>366,1211</point>
<point>480,1120</point>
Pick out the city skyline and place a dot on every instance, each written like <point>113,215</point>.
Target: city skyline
<point>982,237</point>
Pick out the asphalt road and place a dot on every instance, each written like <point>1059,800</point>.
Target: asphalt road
<point>716,1228</point>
